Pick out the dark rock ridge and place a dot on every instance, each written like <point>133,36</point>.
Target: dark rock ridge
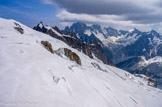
<point>47,45</point>
<point>45,29</point>
<point>57,29</point>
<point>72,40</point>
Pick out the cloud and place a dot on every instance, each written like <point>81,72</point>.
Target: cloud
<point>139,11</point>
<point>145,18</point>
<point>159,3</point>
<point>100,19</point>
<point>144,14</point>
<point>116,7</point>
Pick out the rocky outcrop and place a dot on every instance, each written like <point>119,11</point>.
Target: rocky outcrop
<point>19,28</point>
<point>72,56</point>
<point>68,53</point>
<point>47,45</point>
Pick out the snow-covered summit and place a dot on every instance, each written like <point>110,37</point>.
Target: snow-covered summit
<point>32,76</point>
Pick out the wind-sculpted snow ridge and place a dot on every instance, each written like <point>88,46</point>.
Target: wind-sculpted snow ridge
<point>31,76</point>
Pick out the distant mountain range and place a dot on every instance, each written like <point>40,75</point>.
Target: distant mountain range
<point>133,50</point>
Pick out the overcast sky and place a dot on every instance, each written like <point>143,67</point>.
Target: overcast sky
<point>121,14</point>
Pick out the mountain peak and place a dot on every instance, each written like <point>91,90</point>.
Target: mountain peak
<point>134,30</point>
<point>111,31</point>
<point>153,31</point>
<point>40,24</point>
<point>80,24</point>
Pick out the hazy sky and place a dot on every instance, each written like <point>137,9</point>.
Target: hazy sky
<point>121,14</point>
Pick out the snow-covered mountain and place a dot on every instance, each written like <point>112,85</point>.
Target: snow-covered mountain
<point>107,35</point>
<point>126,48</point>
<point>123,44</point>
<point>32,76</point>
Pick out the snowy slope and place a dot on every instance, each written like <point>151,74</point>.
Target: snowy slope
<point>30,76</point>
